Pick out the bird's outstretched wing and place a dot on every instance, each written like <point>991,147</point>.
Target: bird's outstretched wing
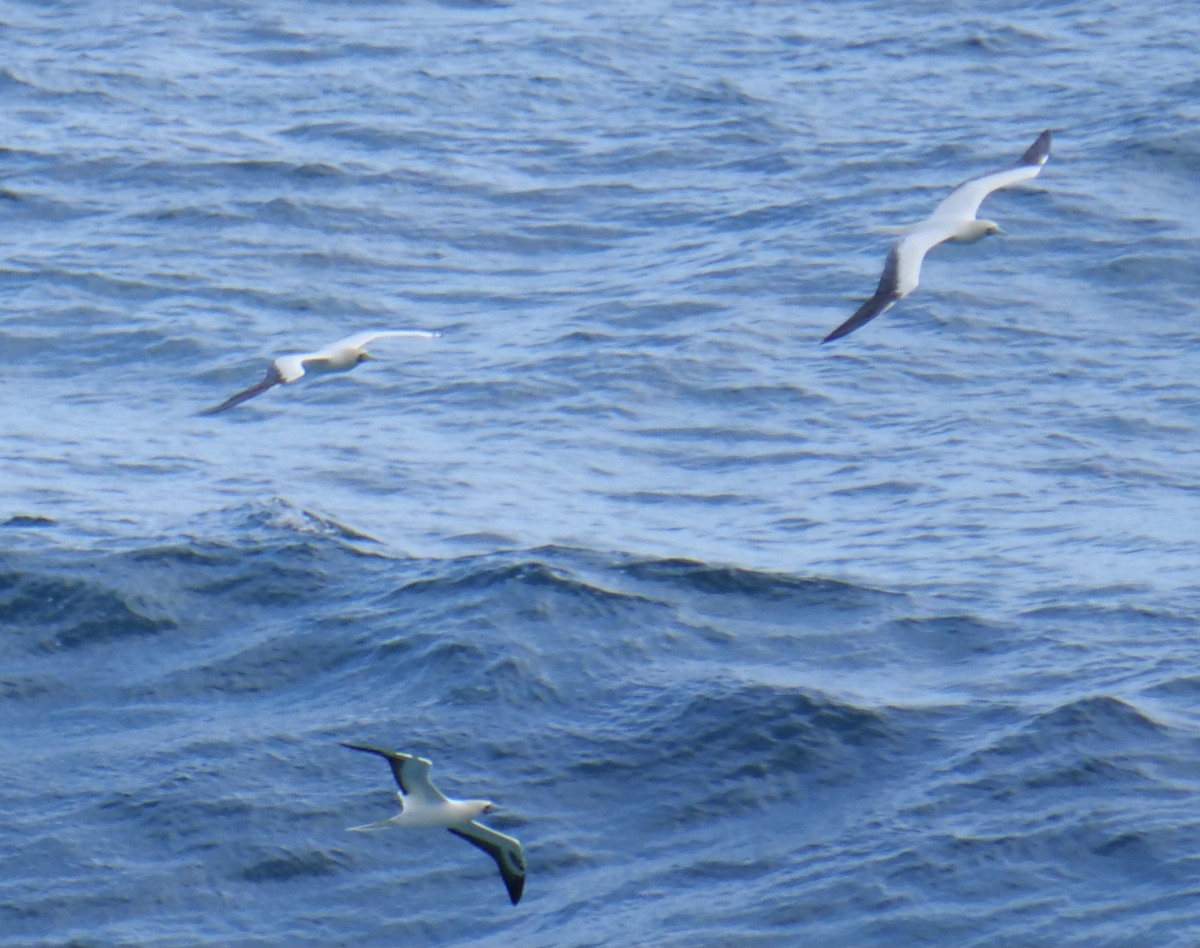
<point>270,380</point>
<point>963,202</point>
<point>508,853</point>
<point>411,773</point>
<point>901,273</point>
<point>360,339</point>
<point>885,296</point>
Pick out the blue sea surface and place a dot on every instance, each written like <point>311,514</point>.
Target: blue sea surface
<point>755,641</point>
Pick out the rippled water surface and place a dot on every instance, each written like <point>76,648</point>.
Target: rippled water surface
<point>755,641</point>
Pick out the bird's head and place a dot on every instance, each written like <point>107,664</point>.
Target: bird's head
<point>488,806</point>
<point>989,227</point>
<point>363,356</point>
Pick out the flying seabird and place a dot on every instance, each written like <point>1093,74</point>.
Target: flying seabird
<point>422,804</point>
<point>340,356</point>
<point>953,219</point>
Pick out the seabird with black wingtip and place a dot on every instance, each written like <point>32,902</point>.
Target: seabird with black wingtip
<point>423,805</point>
<point>340,356</point>
<point>953,219</point>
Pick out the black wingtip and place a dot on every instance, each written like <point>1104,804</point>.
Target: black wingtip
<point>1039,151</point>
<point>513,876</point>
<point>366,747</point>
<point>270,380</point>
<point>395,759</point>
<point>863,315</point>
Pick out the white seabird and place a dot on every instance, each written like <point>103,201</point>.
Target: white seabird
<point>953,219</point>
<point>340,356</point>
<point>422,804</point>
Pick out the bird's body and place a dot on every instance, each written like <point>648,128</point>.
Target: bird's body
<point>441,814</point>
<point>953,219</point>
<point>423,805</point>
<point>340,356</point>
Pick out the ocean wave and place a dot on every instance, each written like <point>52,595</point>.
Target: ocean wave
<point>280,864</point>
<point>53,612</point>
<point>726,745</point>
<point>751,584</point>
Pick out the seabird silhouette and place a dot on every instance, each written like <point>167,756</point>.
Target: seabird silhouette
<point>422,804</point>
<point>953,219</point>
<point>340,356</point>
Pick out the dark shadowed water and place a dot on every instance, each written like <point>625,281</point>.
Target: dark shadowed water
<point>755,641</point>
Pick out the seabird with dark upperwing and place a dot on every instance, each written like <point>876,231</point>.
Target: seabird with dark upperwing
<point>953,219</point>
<point>422,804</point>
<point>340,356</point>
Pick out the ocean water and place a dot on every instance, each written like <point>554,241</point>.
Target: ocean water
<point>754,641</point>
